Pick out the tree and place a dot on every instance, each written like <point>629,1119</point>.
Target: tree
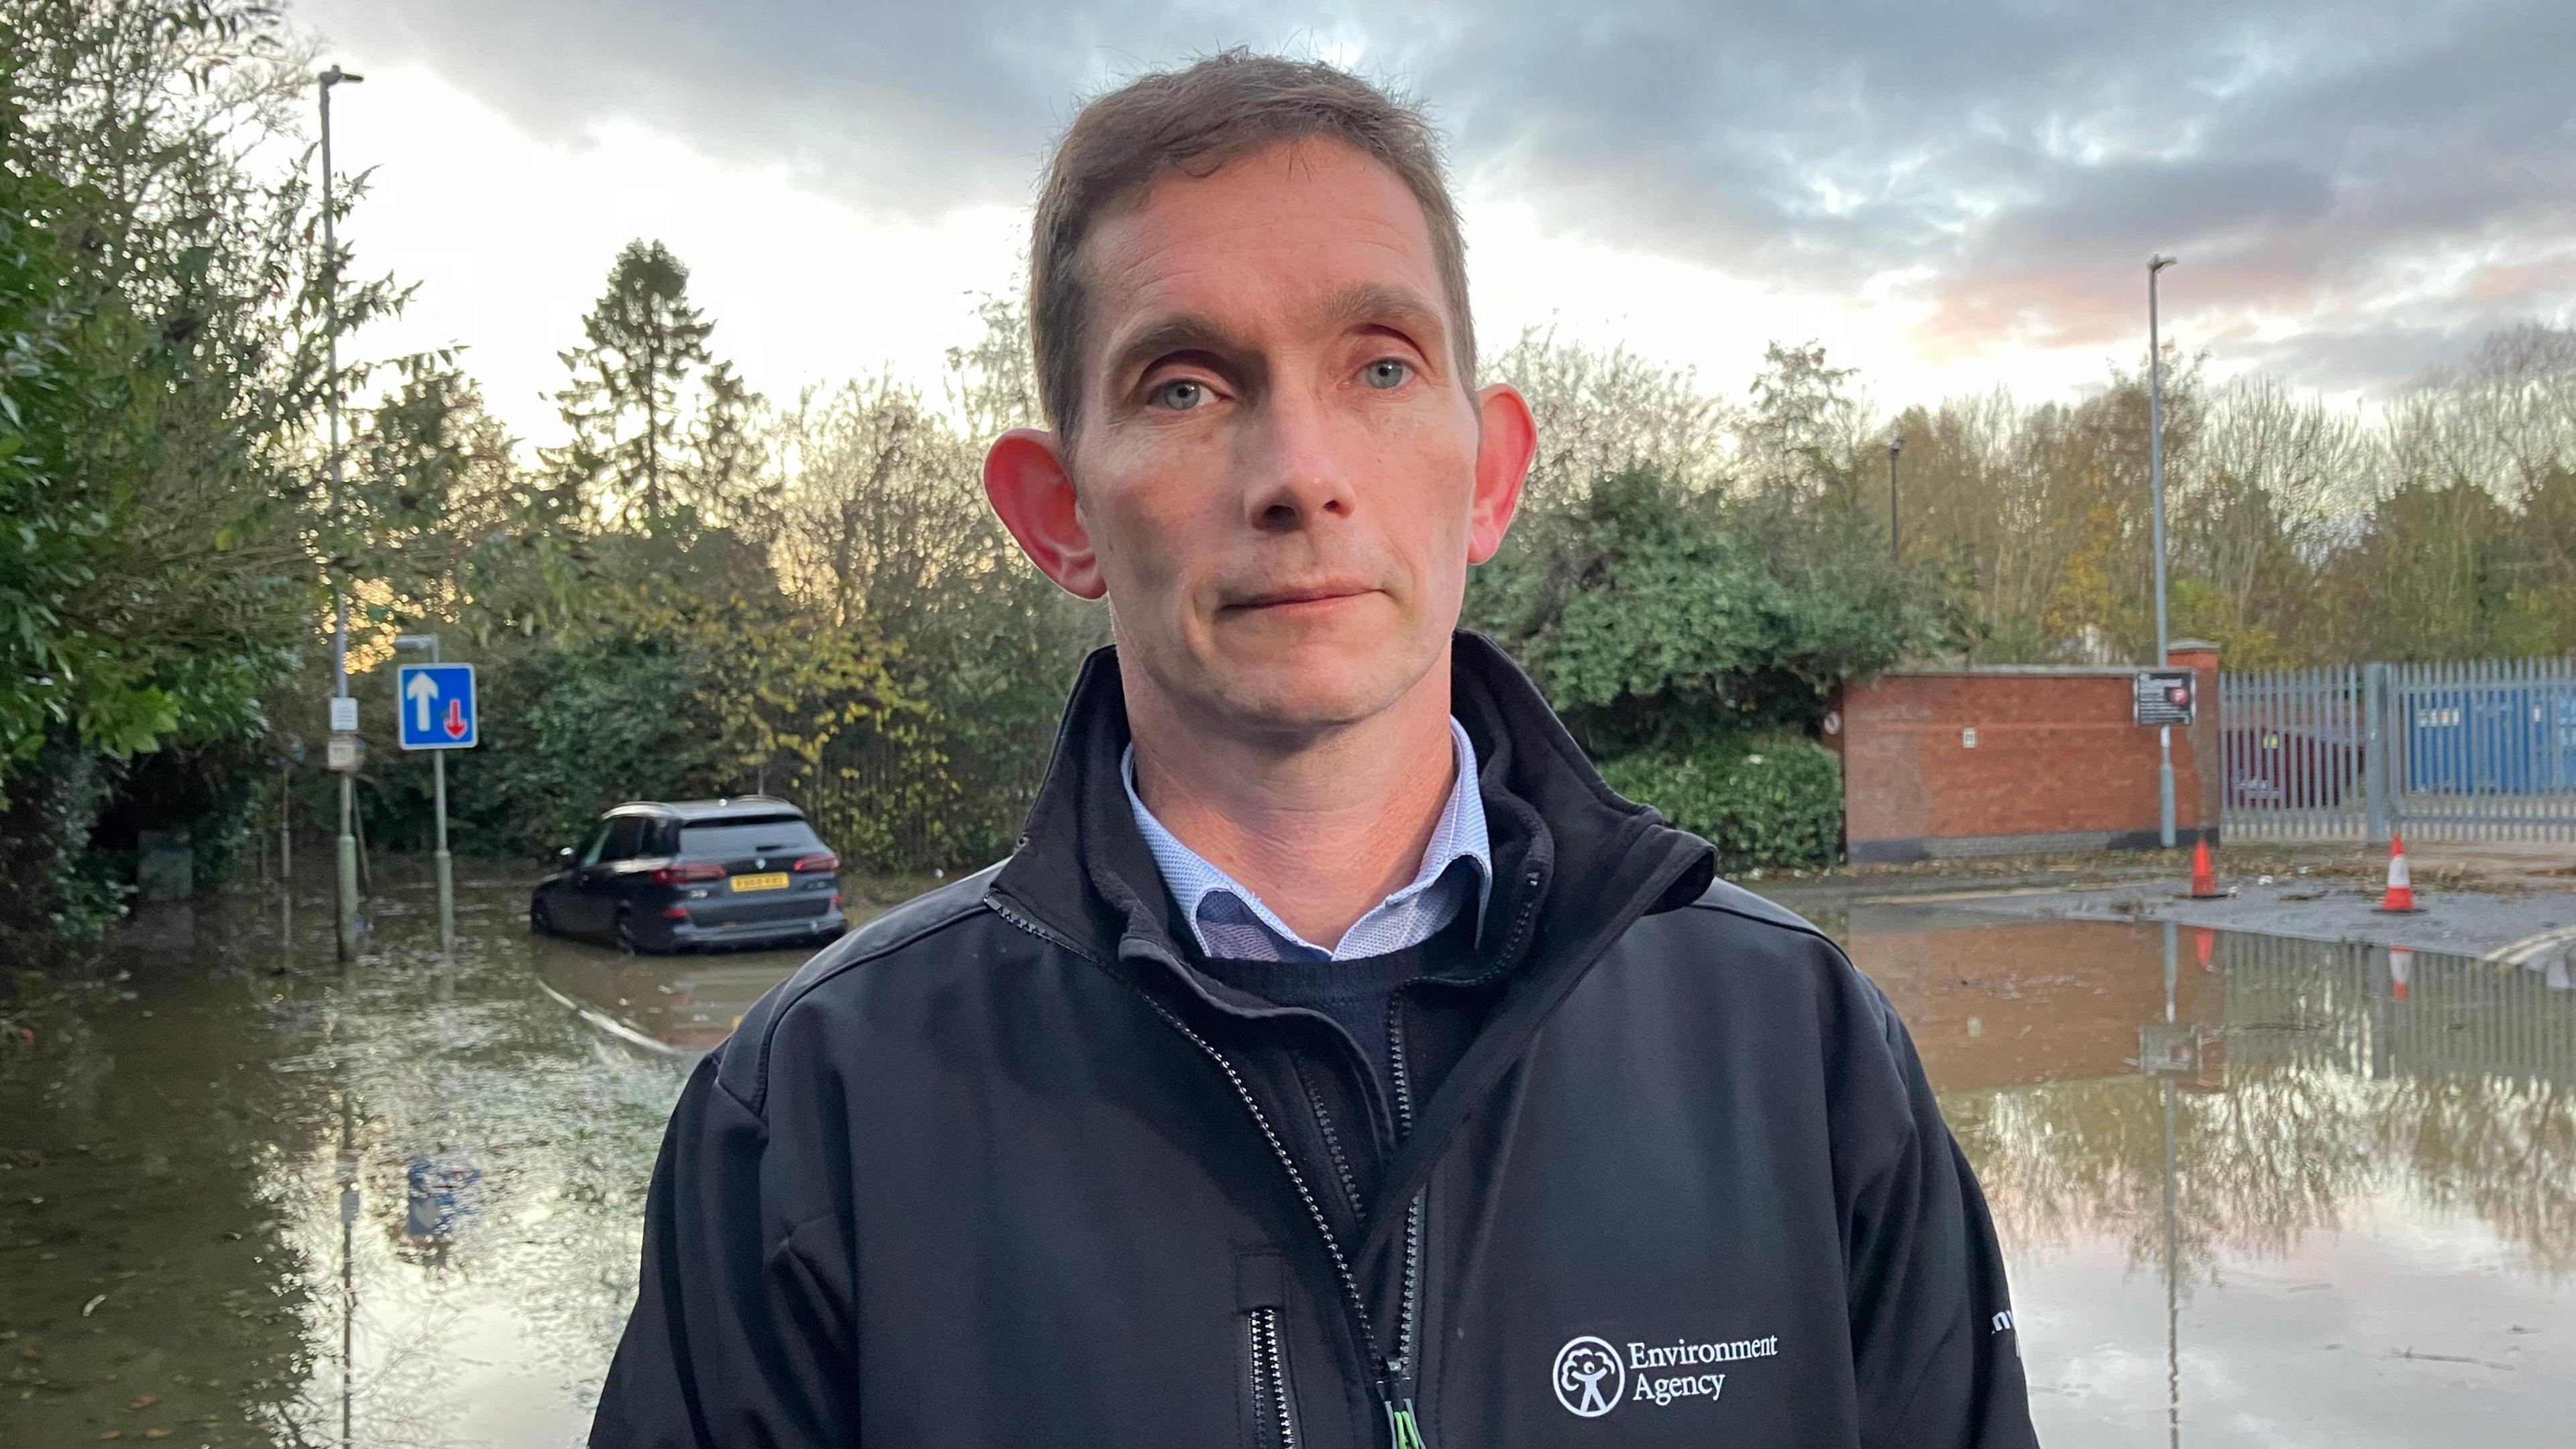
<point>162,320</point>
<point>1600,414</point>
<point>885,526</point>
<point>2251,511</point>
<point>993,383</point>
<point>642,344</point>
<point>1805,426</point>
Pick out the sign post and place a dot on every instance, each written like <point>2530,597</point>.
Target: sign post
<point>2165,697</point>
<point>436,705</point>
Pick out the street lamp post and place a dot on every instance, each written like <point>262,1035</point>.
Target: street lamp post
<point>1895,552</point>
<point>348,842</point>
<point>2156,484</point>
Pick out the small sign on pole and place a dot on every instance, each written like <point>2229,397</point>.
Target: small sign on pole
<point>344,714</point>
<point>2165,697</point>
<point>437,706</point>
<point>344,753</point>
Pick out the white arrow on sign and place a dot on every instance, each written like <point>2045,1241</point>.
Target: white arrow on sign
<point>421,690</point>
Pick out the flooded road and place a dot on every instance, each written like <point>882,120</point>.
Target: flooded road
<point>2254,1191</point>
<point>2306,1194</point>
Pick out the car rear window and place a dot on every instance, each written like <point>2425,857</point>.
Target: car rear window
<point>717,839</point>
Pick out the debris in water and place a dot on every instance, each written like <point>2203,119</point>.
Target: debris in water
<point>144,1401</point>
<point>92,1306</point>
<point>2453,1358</point>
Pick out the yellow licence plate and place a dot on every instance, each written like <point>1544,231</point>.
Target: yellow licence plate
<point>776,880</point>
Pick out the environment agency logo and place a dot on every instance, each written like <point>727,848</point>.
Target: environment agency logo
<point>1589,1377</point>
<point>1593,1376</point>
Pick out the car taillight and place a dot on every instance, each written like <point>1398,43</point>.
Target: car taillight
<point>678,874</point>
<point>826,861</point>
<point>677,913</point>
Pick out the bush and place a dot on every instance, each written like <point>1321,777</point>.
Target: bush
<point>574,729</point>
<point>1773,800</point>
<point>51,888</point>
<point>1655,615</point>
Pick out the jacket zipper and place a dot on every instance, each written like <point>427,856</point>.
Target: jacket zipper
<point>1394,1376</point>
<point>1274,1420</point>
<point>1395,1392</point>
<point>1332,1142</point>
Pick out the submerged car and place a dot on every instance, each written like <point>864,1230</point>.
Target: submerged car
<point>655,877</point>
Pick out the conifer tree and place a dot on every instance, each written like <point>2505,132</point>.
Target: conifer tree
<point>642,344</point>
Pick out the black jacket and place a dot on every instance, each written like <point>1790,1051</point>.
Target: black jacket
<point>1002,1169</point>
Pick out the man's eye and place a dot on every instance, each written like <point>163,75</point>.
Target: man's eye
<point>1180,395</point>
<point>1386,372</point>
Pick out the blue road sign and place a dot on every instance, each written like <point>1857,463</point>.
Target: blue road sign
<point>437,706</point>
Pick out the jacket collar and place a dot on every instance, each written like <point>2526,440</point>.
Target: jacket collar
<point>1569,856</point>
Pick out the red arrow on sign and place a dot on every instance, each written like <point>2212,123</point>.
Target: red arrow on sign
<point>456,719</point>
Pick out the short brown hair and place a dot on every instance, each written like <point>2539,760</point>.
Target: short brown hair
<point>1194,121</point>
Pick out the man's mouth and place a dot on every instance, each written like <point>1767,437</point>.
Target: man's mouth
<point>1302,596</point>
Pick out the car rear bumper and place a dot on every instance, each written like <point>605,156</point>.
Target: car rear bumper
<point>831,922</point>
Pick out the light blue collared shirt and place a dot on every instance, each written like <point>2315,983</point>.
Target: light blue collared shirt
<point>1232,923</point>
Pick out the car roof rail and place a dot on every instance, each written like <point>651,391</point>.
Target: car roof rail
<point>687,809</point>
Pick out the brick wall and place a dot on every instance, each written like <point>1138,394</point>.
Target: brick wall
<point>2012,760</point>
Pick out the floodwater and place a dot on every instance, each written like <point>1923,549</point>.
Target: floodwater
<point>2253,1191</point>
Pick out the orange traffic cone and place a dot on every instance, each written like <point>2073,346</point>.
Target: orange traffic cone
<point>2204,876</point>
<point>2401,968</point>
<point>2204,944</point>
<point>2400,899</point>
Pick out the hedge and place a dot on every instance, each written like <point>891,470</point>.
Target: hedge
<point>1770,801</point>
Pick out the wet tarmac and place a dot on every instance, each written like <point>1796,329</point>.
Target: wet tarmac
<point>2519,927</point>
<point>2254,1191</point>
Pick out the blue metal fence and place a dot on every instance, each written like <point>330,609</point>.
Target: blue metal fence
<point>2472,749</point>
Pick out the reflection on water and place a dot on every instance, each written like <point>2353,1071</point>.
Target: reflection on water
<point>226,1141</point>
<point>682,1004</point>
<point>2261,1191</point>
<point>2254,1191</point>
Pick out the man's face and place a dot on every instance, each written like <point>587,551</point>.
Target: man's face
<point>1278,470</point>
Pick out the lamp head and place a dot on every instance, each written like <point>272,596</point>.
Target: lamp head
<point>335,76</point>
<point>2158,263</point>
<point>1895,445</point>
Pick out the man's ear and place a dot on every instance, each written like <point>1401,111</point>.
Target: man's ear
<point>1506,441</point>
<point>1025,477</point>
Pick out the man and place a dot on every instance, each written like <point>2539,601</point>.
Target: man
<point>1337,1060</point>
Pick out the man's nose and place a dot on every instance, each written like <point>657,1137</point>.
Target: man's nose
<point>1295,473</point>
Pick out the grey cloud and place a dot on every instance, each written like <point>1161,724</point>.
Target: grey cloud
<point>2372,359</point>
<point>2022,159</point>
<point>912,108</point>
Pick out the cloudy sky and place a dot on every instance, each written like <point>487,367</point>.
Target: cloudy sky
<point>1951,196</point>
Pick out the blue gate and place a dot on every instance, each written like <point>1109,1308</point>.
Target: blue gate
<point>2495,739</point>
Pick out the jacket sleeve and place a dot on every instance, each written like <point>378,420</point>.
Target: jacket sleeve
<point>1936,1357</point>
<point>741,1334</point>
